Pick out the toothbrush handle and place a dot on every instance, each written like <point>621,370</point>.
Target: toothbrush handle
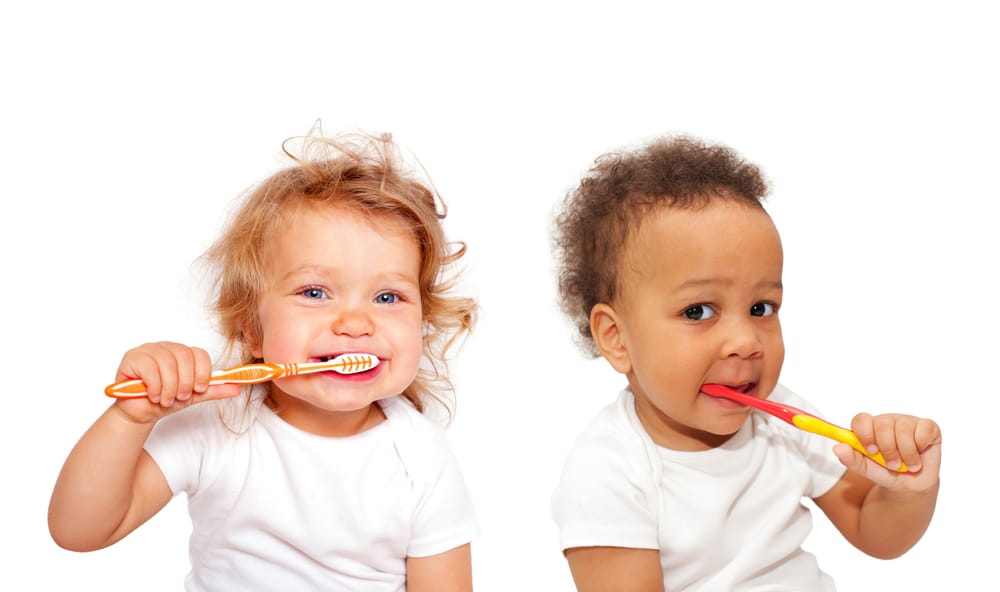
<point>811,423</point>
<point>803,420</point>
<point>246,374</point>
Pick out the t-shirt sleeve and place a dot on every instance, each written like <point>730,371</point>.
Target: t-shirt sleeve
<point>605,495</point>
<point>443,514</point>
<point>177,441</point>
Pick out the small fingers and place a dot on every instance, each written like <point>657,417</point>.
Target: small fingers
<point>878,434</point>
<point>203,370</point>
<point>171,371</point>
<point>176,368</point>
<point>857,462</point>
<point>886,427</point>
<point>863,426</point>
<point>221,391</point>
<point>194,371</point>
<point>906,443</point>
<point>143,363</point>
<point>901,439</point>
<point>927,433</point>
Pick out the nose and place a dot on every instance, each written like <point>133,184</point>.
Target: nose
<point>742,340</point>
<point>353,322</point>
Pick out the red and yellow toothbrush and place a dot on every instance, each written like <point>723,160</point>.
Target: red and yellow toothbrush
<point>254,373</point>
<point>798,418</point>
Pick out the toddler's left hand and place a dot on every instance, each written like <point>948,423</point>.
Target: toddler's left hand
<point>913,440</point>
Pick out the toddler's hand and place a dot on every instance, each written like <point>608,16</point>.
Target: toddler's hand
<point>175,376</point>
<point>912,440</point>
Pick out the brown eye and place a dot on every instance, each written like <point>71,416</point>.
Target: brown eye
<point>699,312</point>
<point>762,309</point>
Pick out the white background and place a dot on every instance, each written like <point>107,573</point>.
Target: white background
<point>127,129</point>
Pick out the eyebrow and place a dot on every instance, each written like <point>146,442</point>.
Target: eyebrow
<point>325,270</point>
<point>699,282</point>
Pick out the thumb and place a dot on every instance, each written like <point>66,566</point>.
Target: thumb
<point>212,393</point>
<point>861,464</point>
<point>218,391</point>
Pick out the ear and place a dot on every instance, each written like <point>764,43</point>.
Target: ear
<point>251,334</point>
<point>606,329</point>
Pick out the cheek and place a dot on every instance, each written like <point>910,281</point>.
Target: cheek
<point>281,339</point>
<point>775,338</point>
<point>668,362</point>
<point>413,338</point>
<point>775,349</point>
<point>408,341</point>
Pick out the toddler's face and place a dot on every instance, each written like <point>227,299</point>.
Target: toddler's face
<point>700,294</point>
<point>337,281</point>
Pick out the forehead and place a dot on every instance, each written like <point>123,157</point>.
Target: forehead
<point>725,239</point>
<point>323,218</point>
<point>326,228</point>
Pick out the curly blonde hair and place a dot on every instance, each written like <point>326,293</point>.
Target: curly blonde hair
<point>359,171</point>
<point>598,217</point>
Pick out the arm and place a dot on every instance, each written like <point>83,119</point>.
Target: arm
<point>109,485</point>
<point>884,513</point>
<point>617,569</point>
<point>450,571</point>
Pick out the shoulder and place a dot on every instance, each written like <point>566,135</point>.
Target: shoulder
<point>204,420</point>
<point>819,462</point>
<point>190,444</point>
<point>608,492</point>
<point>783,394</point>
<point>406,422</point>
<point>775,427</point>
<point>613,453</point>
<point>421,444</point>
<point>443,516</point>
<point>614,433</point>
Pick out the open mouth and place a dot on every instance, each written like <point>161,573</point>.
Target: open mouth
<point>746,388</point>
<point>742,395</point>
<point>349,362</point>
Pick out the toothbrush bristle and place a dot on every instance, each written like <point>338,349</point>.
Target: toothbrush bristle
<point>353,363</point>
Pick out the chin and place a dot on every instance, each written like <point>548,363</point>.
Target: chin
<point>728,428</point>
<point>345,404</point>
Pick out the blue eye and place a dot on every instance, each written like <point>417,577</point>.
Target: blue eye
<point>387,298</point>
<point>762,309</point>
<point>699,312</point>
<point>313,293</point>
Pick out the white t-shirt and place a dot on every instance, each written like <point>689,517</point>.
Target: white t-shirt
<point>276,508</point>
<point>725,519</point>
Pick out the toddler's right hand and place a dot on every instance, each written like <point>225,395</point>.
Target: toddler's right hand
<point>176,376</point>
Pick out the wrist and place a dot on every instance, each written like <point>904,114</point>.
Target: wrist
<point>902,491</point>
<point>143,423</point>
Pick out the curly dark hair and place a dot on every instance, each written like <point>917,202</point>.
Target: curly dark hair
<point>598,217</point>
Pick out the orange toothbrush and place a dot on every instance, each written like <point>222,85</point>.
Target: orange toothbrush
<point>254,373</point>
<point>798,418</point>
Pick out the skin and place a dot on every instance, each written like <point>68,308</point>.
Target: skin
<point>699,301</point>
<point>323,297</point>
<point>334,282</point>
